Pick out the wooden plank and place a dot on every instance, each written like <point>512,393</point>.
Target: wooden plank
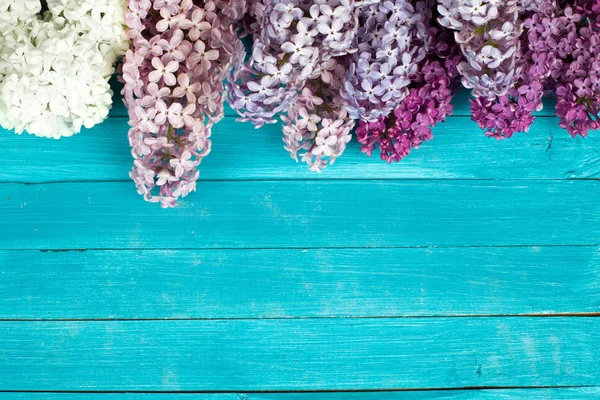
<point>299,354</point>
<point>306,214</point>
<point>298,283</point>
<point>506,394</point>
<point>458,151</point>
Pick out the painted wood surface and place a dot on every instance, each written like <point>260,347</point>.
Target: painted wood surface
<point>304,214</point>
<point>542,394</point>
<point>290,283</point>
<point>458,151</point>
<point>299,354</point>
<point>471,264</point>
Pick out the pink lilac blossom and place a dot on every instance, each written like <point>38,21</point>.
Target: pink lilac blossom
<point>173,72</point>
<point>316,124</point>
<point>427,103</point>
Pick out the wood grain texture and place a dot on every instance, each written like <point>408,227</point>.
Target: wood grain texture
<point>509,394</point>
<point>299,354</point>
<point>303,215</point>
<point>298,283</point>
<point>458,151</point>
<point>249,285</point>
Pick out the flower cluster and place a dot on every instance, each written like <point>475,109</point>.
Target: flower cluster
<point>173,72</point>
<point>392,41</point>
<point>577,71</point>
<point>560,56</point>
<point>430,92</point>
<point>488,33</point>
<point>55,64</point>
<point>296,69</point>
<point>317,124</point>
<point>293,41</point>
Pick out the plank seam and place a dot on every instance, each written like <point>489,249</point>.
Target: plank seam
<point>349,317</point>
<point>463,388</point>
<point>99,249</point>
<point>275,180</point>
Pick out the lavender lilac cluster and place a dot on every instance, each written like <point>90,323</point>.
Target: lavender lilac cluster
<point>297,70</point>
<point>392,41</point>
<point>487,32</point>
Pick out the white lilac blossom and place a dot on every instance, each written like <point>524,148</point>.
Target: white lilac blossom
<point>392,41</point>
<point>55,66</point>
<point>488,33</point>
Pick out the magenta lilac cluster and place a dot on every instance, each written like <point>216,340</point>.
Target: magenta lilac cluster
<point>558,54</point>
<point>384,70</point>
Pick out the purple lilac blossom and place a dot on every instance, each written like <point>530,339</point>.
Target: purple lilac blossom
<point>294,70</point>
<point>577,71</point>
<point>293,42</point>
<point>391,41</point>
<point>173,73</point>
<point>561,56</point>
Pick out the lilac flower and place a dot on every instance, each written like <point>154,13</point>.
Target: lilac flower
<point>164,72</point>
<point>426,103</point>
<point>55,63</point>
<point>173,73</point>
<point>560,55</point>
<point>293,42</point>
<point>294,70</point>
<point>186,88</point>
<point>391,42</point>
<point>488,32</point>
<point>317,127</point>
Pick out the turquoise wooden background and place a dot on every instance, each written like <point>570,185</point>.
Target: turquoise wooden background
<point>469,270</point>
